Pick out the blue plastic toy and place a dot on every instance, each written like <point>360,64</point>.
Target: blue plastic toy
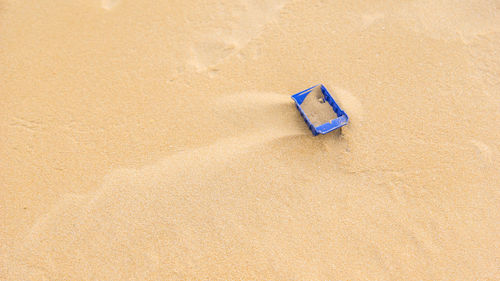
<point>334,124</point>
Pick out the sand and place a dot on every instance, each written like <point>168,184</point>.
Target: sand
<point>146,140</point>
<point>316,108</point>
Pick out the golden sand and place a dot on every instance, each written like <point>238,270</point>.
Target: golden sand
<point>156,140</point>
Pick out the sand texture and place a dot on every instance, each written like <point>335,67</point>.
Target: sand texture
<point>157,140</point>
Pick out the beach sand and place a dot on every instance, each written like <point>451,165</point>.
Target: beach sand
<point>150,140</point>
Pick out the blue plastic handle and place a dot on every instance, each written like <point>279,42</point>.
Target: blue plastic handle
<point>334,124</point>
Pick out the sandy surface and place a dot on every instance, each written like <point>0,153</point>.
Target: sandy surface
<point>142,140</point>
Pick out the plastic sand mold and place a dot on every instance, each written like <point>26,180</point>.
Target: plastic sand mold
<point>320,111</point>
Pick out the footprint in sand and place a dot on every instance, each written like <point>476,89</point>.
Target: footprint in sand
<point>235,29</point>
<point>181,38</point>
